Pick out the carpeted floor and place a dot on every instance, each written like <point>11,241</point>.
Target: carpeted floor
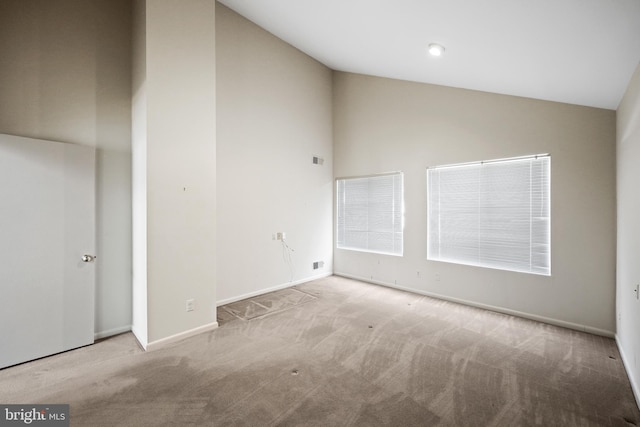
<point>262,305</point>
<point>337,352</point>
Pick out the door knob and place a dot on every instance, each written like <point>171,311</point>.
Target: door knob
<point>88,258</point>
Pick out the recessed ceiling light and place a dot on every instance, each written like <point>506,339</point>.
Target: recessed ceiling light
<point>436,49</point>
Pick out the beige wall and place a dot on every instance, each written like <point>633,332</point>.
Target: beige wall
<point>386,125</point>
<point>65,76</point>
<point>174,168</point>
<point>274,115</point>
<point>628,159</point>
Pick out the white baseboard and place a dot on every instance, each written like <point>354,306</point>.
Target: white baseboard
<point>141,338</point>
<point>271,289</point>
<point>626,363</point>
<point>551,321</point>
<point>111,332</point>
<point>155,345</point>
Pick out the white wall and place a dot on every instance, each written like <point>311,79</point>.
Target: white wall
<point>386,125</point>
<point>178,159</point>
<point>65,75</point>
<point>628,268</point>
<point>274,115</point>
<point>139,173</point>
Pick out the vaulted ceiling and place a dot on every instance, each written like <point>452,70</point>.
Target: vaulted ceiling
<point>575,51</point>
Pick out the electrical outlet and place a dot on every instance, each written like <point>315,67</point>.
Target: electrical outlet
<point>417,274</point>
<point>281,235</point>
<point>437,277</point>
<point>318,264</point>
<point>190,305</point>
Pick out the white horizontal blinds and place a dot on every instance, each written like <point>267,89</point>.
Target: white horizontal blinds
<point>453,231</point>
<point>541,216</point>
<point>370,214</point>
<point>493,214</point>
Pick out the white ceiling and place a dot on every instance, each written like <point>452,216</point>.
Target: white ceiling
<point>575,51</point>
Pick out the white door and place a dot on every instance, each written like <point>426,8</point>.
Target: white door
<point>47,225</point>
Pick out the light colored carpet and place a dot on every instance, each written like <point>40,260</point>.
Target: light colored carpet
<point>348,353</point>
<point>262,305</point>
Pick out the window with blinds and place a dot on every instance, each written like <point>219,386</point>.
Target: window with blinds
<point>492,214</point>
<point>370,213</point>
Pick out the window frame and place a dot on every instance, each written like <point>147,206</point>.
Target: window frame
<point>399,174</point>
<point>543,268</point>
